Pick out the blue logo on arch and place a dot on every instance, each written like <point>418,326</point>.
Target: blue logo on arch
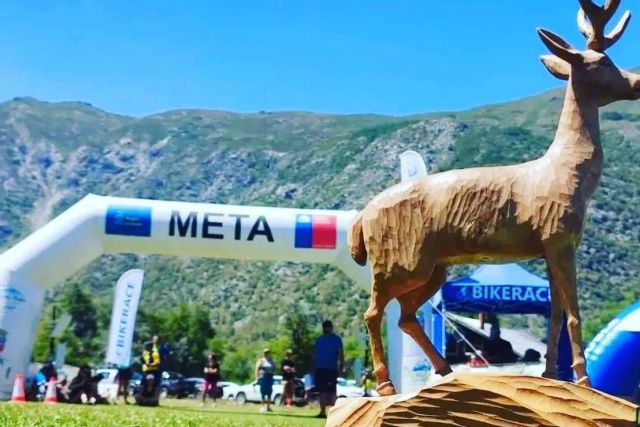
<point>11,298</point>
<point>128,221</point>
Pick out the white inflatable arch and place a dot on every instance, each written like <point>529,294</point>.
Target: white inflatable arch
<point>97,225</point>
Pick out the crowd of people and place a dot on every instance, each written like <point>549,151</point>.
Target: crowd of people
<point>83,388</point>
<point>329,363</point>
<point>494,349</point>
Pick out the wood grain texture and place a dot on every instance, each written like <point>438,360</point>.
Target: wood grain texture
<point>412,231</point>
<point>487,400</point>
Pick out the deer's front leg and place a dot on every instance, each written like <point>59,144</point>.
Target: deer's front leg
<point>562,266</point>
<point>373,319</point>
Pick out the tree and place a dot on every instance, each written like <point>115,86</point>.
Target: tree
<point>299,326</point>
<point>82,310</point>
<point>82,342</point>
<point>41,348</point>
<point>353,349</point>
<point>186,330</point>
<point>239,362</point>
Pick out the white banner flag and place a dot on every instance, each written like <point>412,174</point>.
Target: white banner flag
<point>408,366</point>
<point>123,317</point>
<point>411,165</point>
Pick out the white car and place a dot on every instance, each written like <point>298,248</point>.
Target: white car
<point>108,386</point>
<point>251,392</point>
<point>348,388</point>
<point>344,388</point>
<point>229,389</point>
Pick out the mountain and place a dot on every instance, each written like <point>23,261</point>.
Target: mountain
<point>52,154</point>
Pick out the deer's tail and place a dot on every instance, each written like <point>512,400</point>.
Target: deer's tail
<point>355,240</point>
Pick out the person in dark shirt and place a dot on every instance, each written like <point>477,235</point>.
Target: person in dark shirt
<point>148,395</point>
<point>496,349</point>
<point>84,387</point>
<point>288,371</point>
<point>531,356</point>
<point>329,361</point>
<point>265,367</point>
<point>211,378</point>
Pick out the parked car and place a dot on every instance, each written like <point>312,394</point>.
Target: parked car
<point>135,383</point>
<point>344,388</point>
<point>173,384</point>
<point>251,392</point>
<point>226,389</point>
<point>196,384</point>
<point>108,385</point>
<point>348,388</point>
<point>229,389</point>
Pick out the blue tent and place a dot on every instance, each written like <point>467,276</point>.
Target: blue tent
<point>499,289</point>
<point>503,289</point>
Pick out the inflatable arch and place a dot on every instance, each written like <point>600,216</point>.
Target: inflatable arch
<point>613,356</point>
<point>97,225</point>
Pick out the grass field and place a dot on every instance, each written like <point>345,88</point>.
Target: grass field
<point>171,413</point>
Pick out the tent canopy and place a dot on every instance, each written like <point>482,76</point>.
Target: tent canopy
<point>499,289</point>
<point>521,340</point>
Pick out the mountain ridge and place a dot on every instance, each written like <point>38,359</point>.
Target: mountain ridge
<point>52,154</point>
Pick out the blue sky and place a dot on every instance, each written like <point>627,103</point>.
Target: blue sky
<point>140,57</point>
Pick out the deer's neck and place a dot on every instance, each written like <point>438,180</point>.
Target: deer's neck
<point>576,149</point>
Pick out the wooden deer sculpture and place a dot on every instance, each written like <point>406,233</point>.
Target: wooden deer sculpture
<point>412,231</point>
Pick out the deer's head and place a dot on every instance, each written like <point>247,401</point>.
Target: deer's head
<point>592,70</point>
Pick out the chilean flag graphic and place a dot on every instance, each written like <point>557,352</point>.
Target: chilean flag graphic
<point>315,231</point>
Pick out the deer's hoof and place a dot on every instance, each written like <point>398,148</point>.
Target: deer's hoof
<point>386,389</point>
<point>444,371</point>
<point>584,381</point>
<point>550,375</point>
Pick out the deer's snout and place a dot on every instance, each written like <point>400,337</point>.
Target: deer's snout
<point>636,84</point>
<point>634,79</point>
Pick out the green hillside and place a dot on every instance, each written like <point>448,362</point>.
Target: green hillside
<point>52,154</point>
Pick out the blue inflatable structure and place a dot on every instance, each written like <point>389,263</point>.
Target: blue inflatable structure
<point>613,356</point>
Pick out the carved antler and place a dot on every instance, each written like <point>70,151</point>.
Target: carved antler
<point>598,17</point>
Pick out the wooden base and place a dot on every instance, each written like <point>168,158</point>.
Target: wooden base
<point>487,400</point>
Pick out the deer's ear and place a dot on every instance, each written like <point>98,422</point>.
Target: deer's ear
<point>559,47</point>
<point>556,66</point>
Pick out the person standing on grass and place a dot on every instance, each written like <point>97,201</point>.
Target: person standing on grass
<point>151,362</point>
<point>265,367</point>
<point>329,361</point>
<point>124,377</point>
<point>211,378</point>
<point>288,371</point>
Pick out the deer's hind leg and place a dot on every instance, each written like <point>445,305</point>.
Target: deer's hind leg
<point>555,324</point>
<point>410,302</point>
